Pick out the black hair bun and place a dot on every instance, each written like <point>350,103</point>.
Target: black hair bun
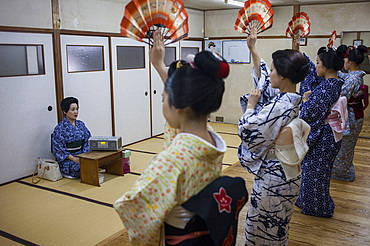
<point>212,65</point>
<point>362,48</point>
<point>342,50</point>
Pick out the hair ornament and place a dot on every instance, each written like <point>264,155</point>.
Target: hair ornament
<point>190,58</point>
<point>178,64</point>
<point>345,55</point>
<point>224,69</point>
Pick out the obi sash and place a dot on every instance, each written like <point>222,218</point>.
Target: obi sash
<point>337,118</point>
<point>74,146</point>
<point>355,101</point>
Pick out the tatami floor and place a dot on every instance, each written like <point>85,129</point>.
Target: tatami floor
<point>68,212</point>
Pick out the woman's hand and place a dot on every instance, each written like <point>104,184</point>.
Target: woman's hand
<point>156,54</point>
<point>252,38</point>
<point>74,159</point>
<point>254,96</point>
<point>306,95</point>
<point>296,40</point>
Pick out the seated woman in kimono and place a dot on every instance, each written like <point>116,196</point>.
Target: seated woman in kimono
<point>70,138</point>
<point>268,111</point>
<point>191,162</point>
<point>322,89</point>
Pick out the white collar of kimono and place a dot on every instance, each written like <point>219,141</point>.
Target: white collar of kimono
<point>220,143</point>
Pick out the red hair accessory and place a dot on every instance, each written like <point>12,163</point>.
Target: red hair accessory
<point>345,55</point>
<point>224,69</point>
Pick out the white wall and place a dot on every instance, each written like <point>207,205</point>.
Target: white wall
<point>26,13</point>
<point>106,16</point>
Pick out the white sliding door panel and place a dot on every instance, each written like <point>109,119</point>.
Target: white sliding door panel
<point>27,102</point>
<point>189,47</point>
<point>158,120</point>
<point>86,76</point>
<point>130,63</point>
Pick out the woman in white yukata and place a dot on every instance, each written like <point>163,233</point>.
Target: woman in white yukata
<point>271,106</point>
<point>191,162</point>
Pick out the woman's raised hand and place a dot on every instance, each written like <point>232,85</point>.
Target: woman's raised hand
<point>296,40</point>
<point>156,55</point>
<point>252,38</point>
<point>254,96</point>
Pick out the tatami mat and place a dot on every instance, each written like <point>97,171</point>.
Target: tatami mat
<point>224,127</point>
<point>80,214</point>
<point>48,218</point>
<point>112,188</point>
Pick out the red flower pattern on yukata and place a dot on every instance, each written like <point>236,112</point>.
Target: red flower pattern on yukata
<point>223,200</point>
<point>239,206</point>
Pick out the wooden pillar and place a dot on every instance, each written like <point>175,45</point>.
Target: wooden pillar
<point>57,58</point>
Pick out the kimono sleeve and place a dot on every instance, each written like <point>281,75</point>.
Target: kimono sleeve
<point>342,75</point>
<point>263,83</point>
<point>144,208</point>
<point>87,136</point>
<point>318,105</point>
<point>59,147</point>
<point>258,130</point>
<point>351,85</point>
<point>312,80</point>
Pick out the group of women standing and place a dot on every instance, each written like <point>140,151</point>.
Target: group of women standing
<point>271,106</point>
<point>288,142</point>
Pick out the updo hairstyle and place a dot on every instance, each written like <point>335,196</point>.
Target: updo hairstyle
<point>354,54</point>
<point>291,64</point>
<point>330,58</point>
<point>197,84</point>
<point>66,103</point>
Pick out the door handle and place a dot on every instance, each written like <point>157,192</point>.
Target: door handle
<point>146,93</point>
<point>155,92</point>
<point>50,108</point>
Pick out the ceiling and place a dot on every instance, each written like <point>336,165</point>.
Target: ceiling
<point>220,4</point>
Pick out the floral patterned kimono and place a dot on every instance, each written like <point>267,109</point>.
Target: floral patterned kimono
<point>343,168</point>
<point>170,133</point>
<point>273,196</point>
<point>173,176</point>
<point>69,139</point>
<point>314,197</point>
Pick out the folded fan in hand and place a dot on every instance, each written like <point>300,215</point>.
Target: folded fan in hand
<point>332,37</point>
<point>143,17</point>
<point>300,23</point>
<point>257,12</point>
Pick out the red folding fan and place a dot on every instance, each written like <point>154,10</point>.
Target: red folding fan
<point>143,17</point>
<point>332,37</point>
<point>300,23</point>
<point>257,12</point>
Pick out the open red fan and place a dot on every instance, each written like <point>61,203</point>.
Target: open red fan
<point>143,17</point>
<point>332,37</point>
<point>257,12</point>
<point>300,23</point>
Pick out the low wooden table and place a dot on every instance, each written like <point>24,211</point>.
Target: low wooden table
<point>91,161</point>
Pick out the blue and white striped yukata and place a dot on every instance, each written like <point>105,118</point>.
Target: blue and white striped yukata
<point>272,197</point>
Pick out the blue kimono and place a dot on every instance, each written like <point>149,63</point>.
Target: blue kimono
<point>273,196</point>
<point>314,197</point>
<point>343,168</point>
<point>69,139</point>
